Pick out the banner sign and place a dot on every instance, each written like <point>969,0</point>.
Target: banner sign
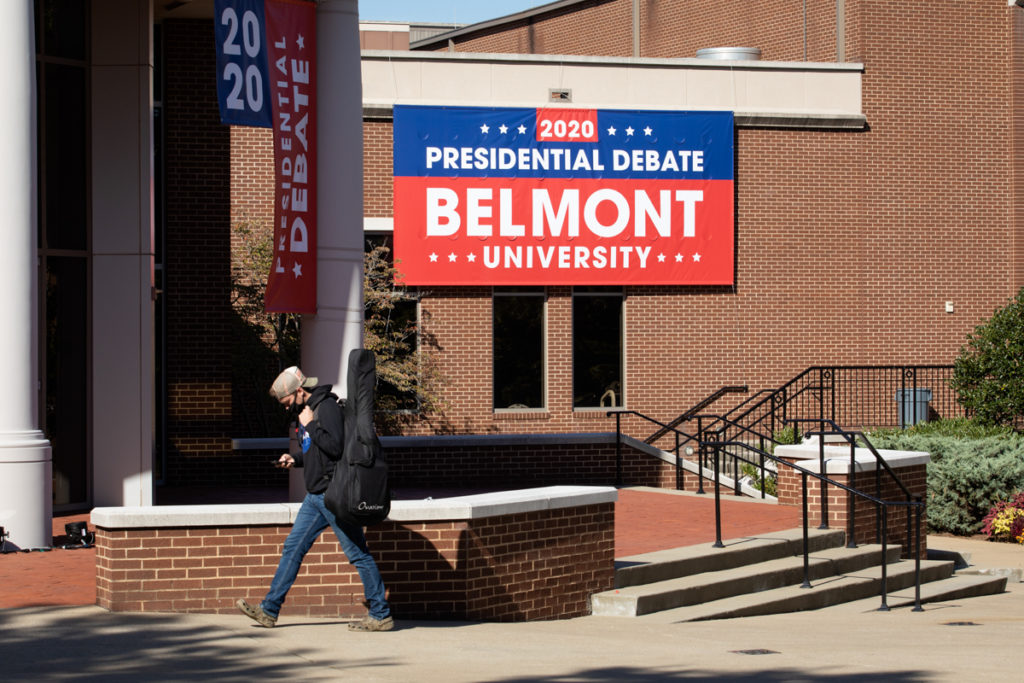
<point>512,196</point>
<point>266,61</point>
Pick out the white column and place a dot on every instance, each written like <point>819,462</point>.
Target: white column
<point>25,468</point>
<point>337,326</point>
<point>122,247</point>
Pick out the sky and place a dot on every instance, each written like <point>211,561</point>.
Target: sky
<point>442,11</point>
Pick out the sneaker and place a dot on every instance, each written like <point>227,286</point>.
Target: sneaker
<point>370,624</point>
<point>255,613</point>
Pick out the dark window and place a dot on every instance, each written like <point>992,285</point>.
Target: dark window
<point>518,347</point>
<point>62,97</point>
<point>597,348</point>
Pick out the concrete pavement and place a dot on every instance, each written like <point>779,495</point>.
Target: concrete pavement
<point>972,639</point>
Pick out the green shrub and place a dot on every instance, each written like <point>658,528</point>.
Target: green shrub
<point>785,436</point>
<point>988,375</point>
<point>754,472</point>
<point>972,468</point>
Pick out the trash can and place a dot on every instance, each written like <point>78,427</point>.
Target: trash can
<point>913,406</point>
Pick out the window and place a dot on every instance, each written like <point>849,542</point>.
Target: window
<point>518,348</point>
<point>597,347</point>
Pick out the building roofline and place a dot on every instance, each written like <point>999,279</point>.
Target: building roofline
<point>599,60</point>
<point>497,21</point>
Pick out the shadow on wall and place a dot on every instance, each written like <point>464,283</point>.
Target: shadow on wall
<point>482,575</point>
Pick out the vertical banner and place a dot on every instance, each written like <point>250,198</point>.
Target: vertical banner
<point>557,196</point>
<point>243,89</point>
<point>291,55</point>
<point>266,65</point>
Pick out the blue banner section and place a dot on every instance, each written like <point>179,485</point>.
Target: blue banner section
<point>243,84</point>
<point>562,143</point>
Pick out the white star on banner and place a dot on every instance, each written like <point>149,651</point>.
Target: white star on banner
<point>611,130</point>
<point>629,130</point>
<point>522,129</point>
<point>696,257</point>
<point>301,42</point>
<point>485,128</point>
<point>452,257</point>
<point>297,269</point>
<point>433,258</point>
<point>679,257</point>
<point>471,257</point>
<point>503,129</point>
<point>661,258</point>
<point>647,130</point>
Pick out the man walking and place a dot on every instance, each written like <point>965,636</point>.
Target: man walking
<point>320,438</point>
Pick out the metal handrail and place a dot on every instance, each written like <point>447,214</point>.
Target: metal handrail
<point>883,505</point>
<point>680,476</point>
<point>701,405</point>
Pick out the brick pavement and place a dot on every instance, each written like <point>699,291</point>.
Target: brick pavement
<point>645,520</point>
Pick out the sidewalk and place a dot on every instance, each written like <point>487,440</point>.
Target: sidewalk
<point>966,639</point>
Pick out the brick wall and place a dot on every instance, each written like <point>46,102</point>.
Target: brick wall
<point>516,567</point>
<point>525,466</point>
<point>676,29</point>
<point>866,513</point>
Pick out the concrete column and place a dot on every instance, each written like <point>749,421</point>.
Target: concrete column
<point>25,468</point>
<point>337,327</point>
<point>123,252</point>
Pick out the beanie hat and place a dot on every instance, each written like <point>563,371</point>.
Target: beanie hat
<point>289,381</point>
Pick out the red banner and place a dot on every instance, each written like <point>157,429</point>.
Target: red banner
<point>291,60</point>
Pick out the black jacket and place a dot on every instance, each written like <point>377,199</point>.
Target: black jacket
<point>327,436</point>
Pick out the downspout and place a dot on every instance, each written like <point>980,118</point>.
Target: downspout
<point>840,30</point>
<point>636,28</point>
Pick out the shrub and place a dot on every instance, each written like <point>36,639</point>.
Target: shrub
<point>967,475</point>
<point>1005,521</point>
<point>988,375</point>
<point>754,472</point>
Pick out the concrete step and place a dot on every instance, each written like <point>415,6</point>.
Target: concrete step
<point>755,578</point>
<point>695,559</point>
<point>956,587</point>
<point>864,584</point>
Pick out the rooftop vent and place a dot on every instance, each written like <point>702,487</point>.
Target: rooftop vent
<point>748,53</point>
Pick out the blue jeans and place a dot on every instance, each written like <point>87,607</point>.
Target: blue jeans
<point>313,518</point>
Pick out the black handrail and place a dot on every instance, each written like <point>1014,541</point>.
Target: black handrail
<point>701,405</point>
<point>883,505</point>
<point>842,388</point>
<point>680,477</point>
<point>851,437</point>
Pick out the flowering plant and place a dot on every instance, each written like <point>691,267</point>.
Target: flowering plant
<point>1005,521</point>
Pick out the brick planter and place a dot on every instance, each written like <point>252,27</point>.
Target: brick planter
<point>511,556</point>
<point>909,466</point>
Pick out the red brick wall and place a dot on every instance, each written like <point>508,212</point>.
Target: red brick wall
<point>198,179</point>
<point>525,466</point>
<point>669,29</point>
<point>519,567</point>
<point>1017,107</point>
